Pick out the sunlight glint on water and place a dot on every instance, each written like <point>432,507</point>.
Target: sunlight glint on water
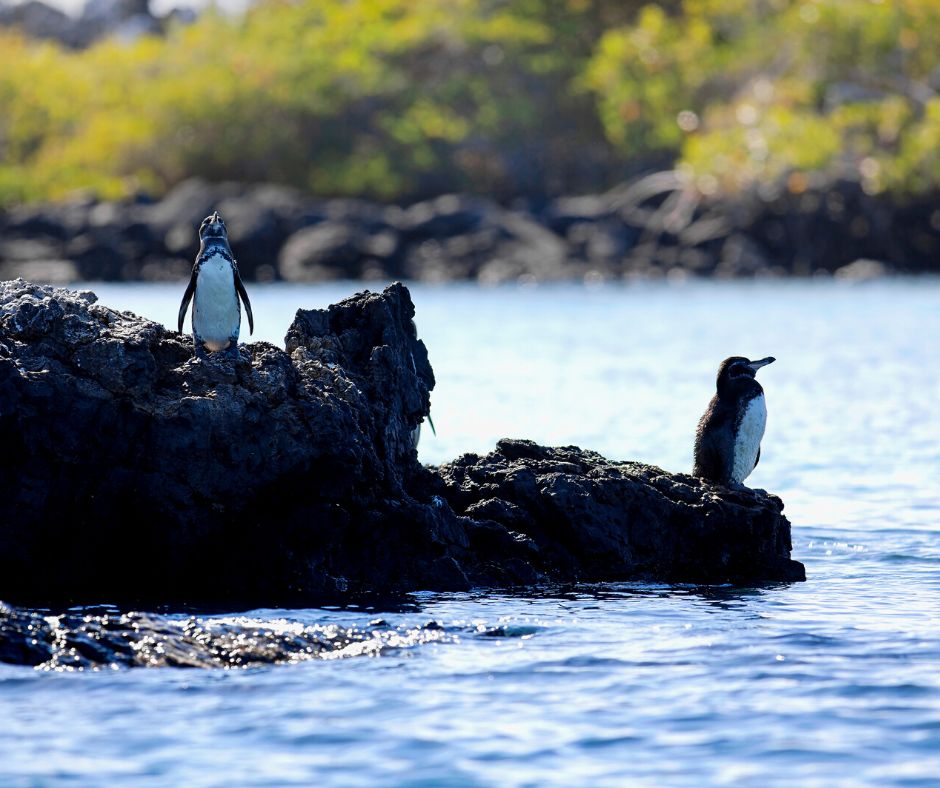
<point>832,681</point>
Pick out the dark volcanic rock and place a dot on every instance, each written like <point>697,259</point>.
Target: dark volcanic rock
<point>652,228</point>
<point>77,640</point>
<point>132,472</point>
<point>461,237</point>
<point>573,513</point>
<point>342,239</point>
<point>126,20</point>
<point>336,250</point>
<point>35,19</point>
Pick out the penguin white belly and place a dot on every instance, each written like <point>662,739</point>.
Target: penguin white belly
<point>748,437</point>
<point>216,312</point>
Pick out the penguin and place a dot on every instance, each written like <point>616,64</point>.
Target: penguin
<point>727,441</point>
<point>416,432</point>
<point>216,285</point>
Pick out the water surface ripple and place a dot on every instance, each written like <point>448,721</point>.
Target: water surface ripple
<point>835,681</point>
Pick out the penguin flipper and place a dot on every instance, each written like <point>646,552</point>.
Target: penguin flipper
<point>757,458</point>
<point>187,297</point>
<point>242,293</point>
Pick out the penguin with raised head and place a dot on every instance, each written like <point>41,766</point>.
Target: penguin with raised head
<point>727,441</point>
<point>216,286</point>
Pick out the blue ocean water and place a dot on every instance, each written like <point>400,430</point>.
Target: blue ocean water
<point>835,681</point>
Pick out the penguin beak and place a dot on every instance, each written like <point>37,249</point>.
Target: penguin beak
<point>756,365</point>
<point>214,228</point>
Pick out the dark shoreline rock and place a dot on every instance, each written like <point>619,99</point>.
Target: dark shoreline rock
<point>79,640</point>
<point>124,20</point>
<point>629,233</point>
<point>134,474</point>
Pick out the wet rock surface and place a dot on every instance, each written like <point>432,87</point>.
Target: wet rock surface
<point>96,640</point>
<point>134,474</point>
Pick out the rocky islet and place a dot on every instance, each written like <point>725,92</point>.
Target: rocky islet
<point>134,474</point>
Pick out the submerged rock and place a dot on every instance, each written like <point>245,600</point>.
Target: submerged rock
<point>134,473</point>
<point>77,640</point>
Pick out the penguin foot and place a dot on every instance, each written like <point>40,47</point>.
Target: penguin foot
<point>740,487</point>
<point>199,349</point>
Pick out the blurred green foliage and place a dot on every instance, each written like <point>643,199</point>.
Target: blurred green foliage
<point>403,98</point>
<point>751,92</point>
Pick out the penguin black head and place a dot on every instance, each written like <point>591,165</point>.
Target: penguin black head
<point>738,368</point>
<point>212,227</point>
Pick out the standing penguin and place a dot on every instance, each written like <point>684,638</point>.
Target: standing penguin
<point>727,441</point>
<point>217,287</point>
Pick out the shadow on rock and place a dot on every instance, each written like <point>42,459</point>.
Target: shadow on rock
<point>134,474</point>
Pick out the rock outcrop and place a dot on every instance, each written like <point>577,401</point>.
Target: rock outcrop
<point>567,512</point>
<point>133,473</point>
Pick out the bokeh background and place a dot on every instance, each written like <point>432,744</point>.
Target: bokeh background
<point>491,140</point>
<point>628,159</point>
